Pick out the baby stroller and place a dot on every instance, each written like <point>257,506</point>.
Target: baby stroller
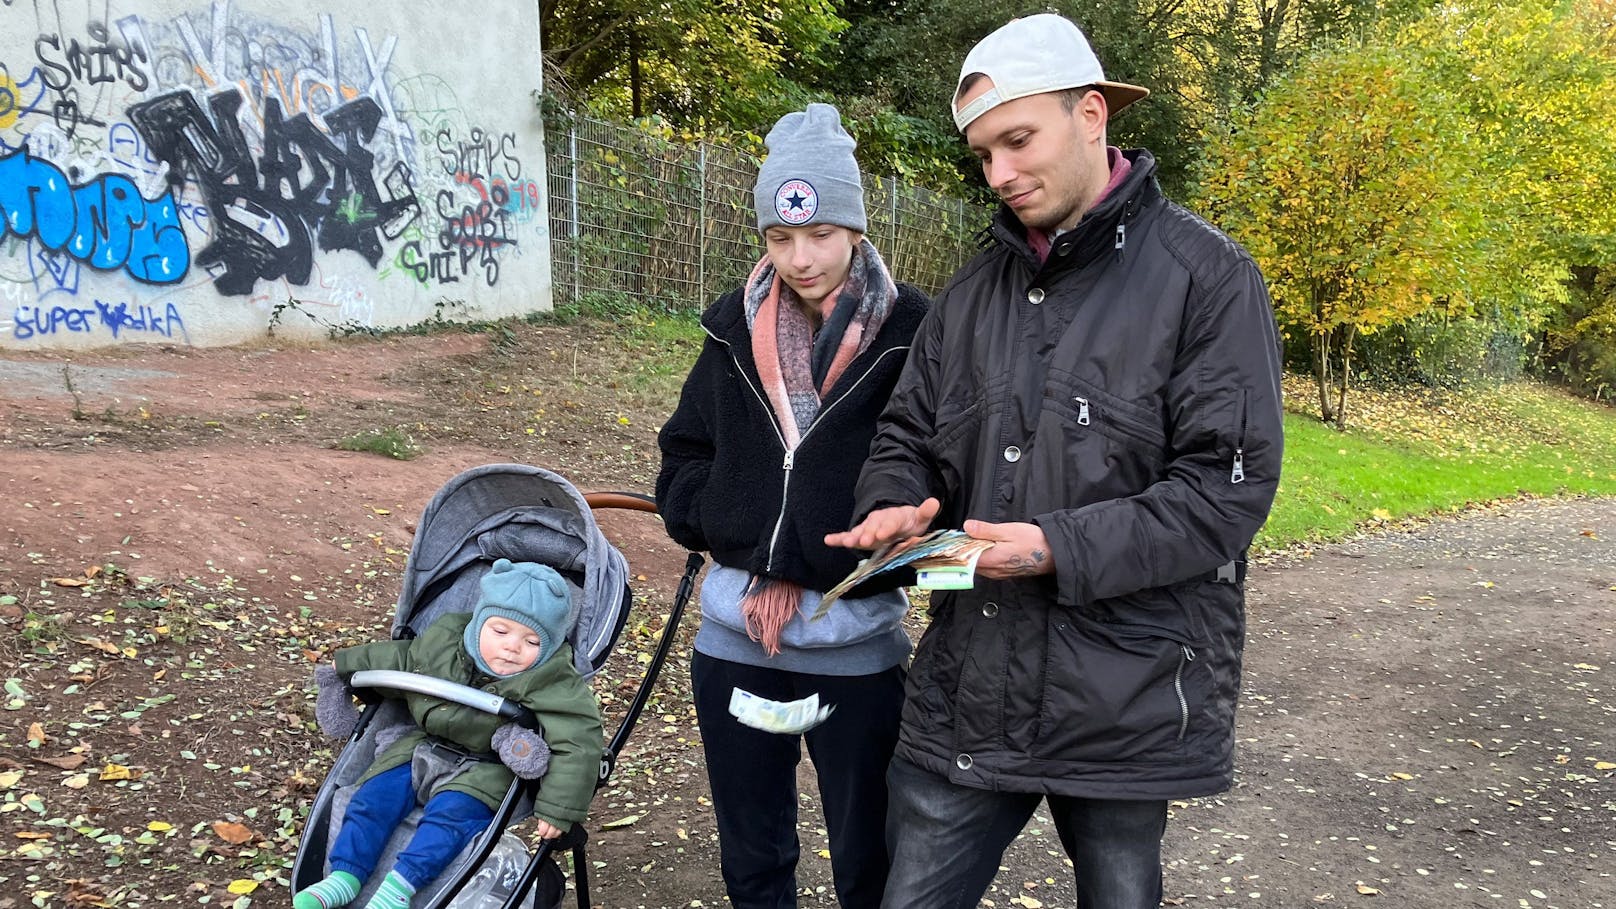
<point>486,513</point>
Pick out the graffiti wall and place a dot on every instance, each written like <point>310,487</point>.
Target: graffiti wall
<point>202,172</point>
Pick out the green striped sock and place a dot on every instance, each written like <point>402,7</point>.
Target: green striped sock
<point>339,889</point>
<point>394,893</point>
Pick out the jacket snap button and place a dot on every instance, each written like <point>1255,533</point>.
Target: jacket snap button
<point>1035,296</point>
<point>990,609</point>
<point>1012,454</point>
<point>963,762</point>
<point>1063,249</point>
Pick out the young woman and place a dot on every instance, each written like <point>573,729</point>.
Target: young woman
<point>759,461</point>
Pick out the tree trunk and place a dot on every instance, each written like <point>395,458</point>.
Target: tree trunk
<point>1349,333</point>
<point>1321,373</point>
<point>634,71</point>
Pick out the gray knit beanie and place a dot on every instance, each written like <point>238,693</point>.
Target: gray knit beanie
<point>527,592</point>
<point>810,175</point>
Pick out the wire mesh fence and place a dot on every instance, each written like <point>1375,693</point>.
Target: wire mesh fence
<point>638,217</point>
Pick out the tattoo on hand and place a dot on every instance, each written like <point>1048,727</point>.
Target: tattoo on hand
<point>1030,564</point>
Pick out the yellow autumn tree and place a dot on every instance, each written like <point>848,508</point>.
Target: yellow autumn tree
<point>1468,158</point>
<point>1350,184</point>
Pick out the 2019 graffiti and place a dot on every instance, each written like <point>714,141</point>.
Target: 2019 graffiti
<point>223,148</point>
<point>105,222</point>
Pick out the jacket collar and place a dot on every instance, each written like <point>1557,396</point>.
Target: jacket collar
<point>1097,233</point>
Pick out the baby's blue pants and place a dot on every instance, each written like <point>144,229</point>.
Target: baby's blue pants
<point>447,824</point>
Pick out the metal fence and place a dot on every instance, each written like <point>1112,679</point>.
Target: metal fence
<point>637,216</point>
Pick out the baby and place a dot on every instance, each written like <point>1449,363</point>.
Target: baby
<point>513,644</point>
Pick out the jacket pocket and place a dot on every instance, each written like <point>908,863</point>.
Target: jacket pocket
<point>1116,692</point>
<point>1130,425</point>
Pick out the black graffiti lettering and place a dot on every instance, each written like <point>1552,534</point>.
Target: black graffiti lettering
<point>409,257</point>
<point>105,58</point>
<point>476,233</point>
<point>443,268</point>
<point>306,187</point>
<point>477,156</point>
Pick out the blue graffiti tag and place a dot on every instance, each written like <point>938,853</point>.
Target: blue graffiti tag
<point>31,322</point>
<point>104,222</point>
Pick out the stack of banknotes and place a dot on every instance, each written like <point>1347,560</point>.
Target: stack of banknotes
<point>789,717</point>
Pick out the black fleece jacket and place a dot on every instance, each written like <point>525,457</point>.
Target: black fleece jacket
<point>726,485</point>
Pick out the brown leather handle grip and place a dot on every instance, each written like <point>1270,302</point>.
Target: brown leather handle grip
<point>631,501</point>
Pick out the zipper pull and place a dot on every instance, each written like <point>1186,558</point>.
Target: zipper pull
<point>1238,474</point>
<point>1189,652</point>
<point>1122,238</point>
<point>790,456</point>
<point>1082,411</point>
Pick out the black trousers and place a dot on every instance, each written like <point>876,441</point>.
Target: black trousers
<point>753,775</point>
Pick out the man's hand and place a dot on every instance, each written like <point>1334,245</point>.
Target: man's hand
<point>545,829</point>
<point>1019,550</point>
<point>887,525</point>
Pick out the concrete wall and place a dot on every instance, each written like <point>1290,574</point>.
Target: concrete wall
<point>176,171</point>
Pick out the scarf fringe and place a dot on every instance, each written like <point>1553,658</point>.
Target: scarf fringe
<point>768,607</point>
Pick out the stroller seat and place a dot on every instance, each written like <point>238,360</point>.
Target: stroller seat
<point>496,511</point>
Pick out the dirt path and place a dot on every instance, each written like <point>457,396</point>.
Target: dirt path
<point>1429,718</point>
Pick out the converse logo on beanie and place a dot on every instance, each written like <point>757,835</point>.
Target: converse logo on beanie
<point>810,175</point>
<point>796,202</point>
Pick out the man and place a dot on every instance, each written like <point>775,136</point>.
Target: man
<point>1098,393</point>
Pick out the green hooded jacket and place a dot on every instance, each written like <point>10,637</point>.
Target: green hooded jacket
<point>553,690</point>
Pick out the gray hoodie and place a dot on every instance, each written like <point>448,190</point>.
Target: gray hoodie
<point>856,637</point>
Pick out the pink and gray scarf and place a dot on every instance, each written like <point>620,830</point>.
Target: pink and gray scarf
<point>798,368</point>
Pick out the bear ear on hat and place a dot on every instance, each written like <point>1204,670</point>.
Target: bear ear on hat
<point>557,587</point>
<point>501,565</point>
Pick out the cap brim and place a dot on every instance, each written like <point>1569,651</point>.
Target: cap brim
<point>1120,94</point>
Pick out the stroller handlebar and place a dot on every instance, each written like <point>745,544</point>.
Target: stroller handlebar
<point>631,501</point>
<point>465,695</point>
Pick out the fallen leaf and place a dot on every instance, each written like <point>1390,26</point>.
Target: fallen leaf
<point>92,571</point>
<point>620,822</point>
<point>159,826</point>
<point>231,832</point>
<point>36,734</point>
<point>241,886</point>
<point>69,582</point>
<point>101,645</point>
<point>31,835</point>
<point>1367,890</point>
<point>1604,765</point>
<point>118,772</point>
<point>77,781</point>
<point>65,762</point>
<point>1402,776</point>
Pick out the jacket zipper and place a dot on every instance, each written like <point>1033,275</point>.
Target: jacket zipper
<point>1082,411</point>
<point>791,455</point>
<point>1188,656</point>
<point>1238,473</point>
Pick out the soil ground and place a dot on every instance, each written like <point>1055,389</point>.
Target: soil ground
<point>1428,717</point>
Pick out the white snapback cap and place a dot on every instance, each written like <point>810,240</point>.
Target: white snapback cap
<point>1033,55</point>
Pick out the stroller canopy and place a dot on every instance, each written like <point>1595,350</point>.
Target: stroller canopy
<point>525,514</point>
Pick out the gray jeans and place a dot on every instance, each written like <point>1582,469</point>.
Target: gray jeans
<point>947,840</point>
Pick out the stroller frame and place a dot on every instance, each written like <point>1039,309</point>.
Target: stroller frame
<point>315,843</point>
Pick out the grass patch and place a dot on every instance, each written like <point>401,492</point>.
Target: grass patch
<point>1418,452</point>
<point>394,443</point>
